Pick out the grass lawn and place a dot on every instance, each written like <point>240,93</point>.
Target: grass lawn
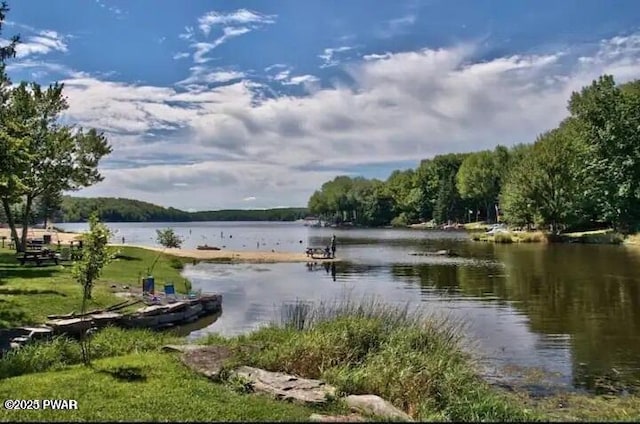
<point>29,293</point>
<point>165,391</point>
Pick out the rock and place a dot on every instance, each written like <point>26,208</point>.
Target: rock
<point>319,418</point>
<point>181,348</point>
<point>205,360</point>
<point>375,405</point>
<point>286,387</point>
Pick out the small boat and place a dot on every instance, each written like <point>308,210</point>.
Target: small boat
<point>207,247</point>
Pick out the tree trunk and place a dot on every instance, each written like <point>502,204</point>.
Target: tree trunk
<point>12,224</point>
<point>25,220</point>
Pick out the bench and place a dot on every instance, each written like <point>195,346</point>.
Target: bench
<point>37,257</point>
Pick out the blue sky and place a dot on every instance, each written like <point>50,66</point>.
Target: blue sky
<point>212,104</point>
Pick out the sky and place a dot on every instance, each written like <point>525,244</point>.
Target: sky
<point>254,104</point>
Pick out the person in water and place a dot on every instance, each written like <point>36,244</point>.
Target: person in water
<point>333,246</point>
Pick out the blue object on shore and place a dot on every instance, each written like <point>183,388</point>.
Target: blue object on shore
<point>148,285</point>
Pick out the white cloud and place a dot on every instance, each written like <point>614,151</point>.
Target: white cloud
<point>328,56</point>
<point>202,75</point>
<point>188,33</point>
<point>239,17</point>
<point>282,75</point>
<point>275,66</point>
<point>375,56</point>
<point>42,43</point>
<point>400,107</point>
<point>232,25</point>
<point>302,79</point>
<point>181,55</point>
<point>249,199</point>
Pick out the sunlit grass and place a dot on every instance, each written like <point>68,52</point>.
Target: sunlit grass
<point>163,390</point>
<point>29,293</point>
<point>413,360</point>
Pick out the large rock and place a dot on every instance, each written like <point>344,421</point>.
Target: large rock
<point>205,360</point>
<point>286,387</point>
<point>181,348</point>
<point>319,418</point>
<point>375,405</point>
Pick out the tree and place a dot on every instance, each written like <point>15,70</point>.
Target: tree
<point>608,119</point>
<point>168,238</point>
<point>48,205</point>
<point>95,256</point>
<point>478,180</point>
<point>53,157</point>
<point>544,188</point>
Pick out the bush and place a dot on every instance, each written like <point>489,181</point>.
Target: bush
<point>415,361</point>
<point>63,351</point>
<point>503,238</point>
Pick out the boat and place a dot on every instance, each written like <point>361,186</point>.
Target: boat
<point>207,247</point>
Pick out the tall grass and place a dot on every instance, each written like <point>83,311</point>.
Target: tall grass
<point>415,361</point>
<point>503,238</point>
<point>532,237</point>
<point>63,351</point>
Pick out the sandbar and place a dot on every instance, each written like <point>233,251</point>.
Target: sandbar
<point>235,256</point>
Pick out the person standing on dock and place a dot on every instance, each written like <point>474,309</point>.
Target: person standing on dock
<point>333,246</point>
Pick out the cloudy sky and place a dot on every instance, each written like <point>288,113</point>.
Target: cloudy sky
<point>251,104</point>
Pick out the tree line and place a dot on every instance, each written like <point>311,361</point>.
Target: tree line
<point>583,174</point>
<point>40,156</point>
<point>110,209</point>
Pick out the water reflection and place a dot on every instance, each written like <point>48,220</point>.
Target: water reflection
<point>572,310</point>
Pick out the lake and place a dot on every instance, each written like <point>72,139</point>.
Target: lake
<point>567,314</point>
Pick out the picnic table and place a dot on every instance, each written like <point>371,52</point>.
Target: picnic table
<point>38,257</point>
<point>318,253</point>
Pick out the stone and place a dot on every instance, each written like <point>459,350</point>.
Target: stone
<point>181,348</point>
<point>375,405</point>
<point>286,387</point>
<point>205,360</point>
<point>319,418</point>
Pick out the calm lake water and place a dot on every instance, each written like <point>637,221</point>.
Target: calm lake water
<point>569,312</point>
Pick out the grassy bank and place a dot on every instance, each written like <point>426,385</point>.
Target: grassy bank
<point>512,237</point>
<point>158,388</point>
<point>29,293</point>
<point>607,236</point>
<point>416,362</point>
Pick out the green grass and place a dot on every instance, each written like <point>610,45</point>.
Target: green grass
<point>579,407</point>
<point>29,293</point>
<point>61,351</point>
<point>415,362</point>
<point>164,390</point>
<point>607,236</point>
<point>476,226</point>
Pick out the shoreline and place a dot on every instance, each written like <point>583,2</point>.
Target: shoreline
<point>64,238</point>
<point>232,256</point>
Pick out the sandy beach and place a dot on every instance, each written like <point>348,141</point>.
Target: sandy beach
<point>236,256</point>
<point>36,233</point>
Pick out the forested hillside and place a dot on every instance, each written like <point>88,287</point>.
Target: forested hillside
<point>78,209</point>
<point>583,174</point>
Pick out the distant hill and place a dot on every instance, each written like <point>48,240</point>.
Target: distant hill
<point>112,209</point>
